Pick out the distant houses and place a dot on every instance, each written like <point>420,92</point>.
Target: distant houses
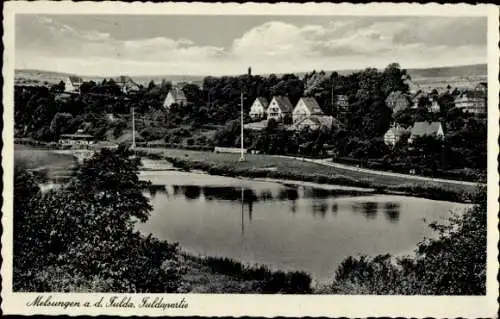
<point>259,108</point>
<point>127,85</point>
<point>306,107</point>
<point>279,108</point>
<point>421,129</point>
<point>175,96</point>
<point>472,102</point>
<point>72,84</point>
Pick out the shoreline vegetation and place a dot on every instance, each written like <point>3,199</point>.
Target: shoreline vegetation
<point>83,236</point>
<point>265,166</point>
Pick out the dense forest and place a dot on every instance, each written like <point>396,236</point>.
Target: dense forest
<point>44,113</point>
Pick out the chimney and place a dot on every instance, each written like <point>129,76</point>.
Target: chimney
<point>249,70</point>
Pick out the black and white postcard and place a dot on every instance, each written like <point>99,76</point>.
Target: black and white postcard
<point>185,159</point>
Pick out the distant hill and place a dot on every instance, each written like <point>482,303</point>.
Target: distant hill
<point>475,72</point>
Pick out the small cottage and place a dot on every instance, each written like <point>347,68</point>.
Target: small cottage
<point>279,108</point>
<point>127,85</point>
<point>472,102</point>
<point>421,129</point>
<point>72,84</point>
<point>259,108</point>
<point>306,107</point>
<point>394,134</point>
<point>175,96</point>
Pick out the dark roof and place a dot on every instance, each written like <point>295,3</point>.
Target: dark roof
<point>178,94</point>
<point>284,103</point>
<point>312,105</point>
<point>425,128</point>
<point>262,101</point>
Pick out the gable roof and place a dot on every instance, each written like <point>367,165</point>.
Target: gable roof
<point>263,101</point>
<point>75,79</point>
<point>283,103</point>
<point>312,105</point>
<point>177,94</point>
<point>425,128</point>
<point>127,82</point>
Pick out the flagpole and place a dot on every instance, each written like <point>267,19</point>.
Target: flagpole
<point>242,158</point>
<point>133,129</point>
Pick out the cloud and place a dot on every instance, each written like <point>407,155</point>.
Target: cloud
<point>273,46</point>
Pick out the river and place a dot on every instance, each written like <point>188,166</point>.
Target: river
<point>285,225</point>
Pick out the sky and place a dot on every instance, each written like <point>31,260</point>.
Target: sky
<point>109,45</point>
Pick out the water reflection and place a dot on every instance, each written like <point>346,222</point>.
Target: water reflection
<point>367,209</point>
<point>392,211</point>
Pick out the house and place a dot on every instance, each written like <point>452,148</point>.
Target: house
<point>397,101</point>
<point>175,96</point>
<point>483,87</point>
<point>315,122</point>
<point>127,85</point>
<point>259,108</point>
<point>434,107</point>
<point>279,108</point>
<point>420,129</point>
<point>76,139</point>
<point>72,84</point>
<point>394,134</point>
<point>306,107</point>
<point>472,102</point>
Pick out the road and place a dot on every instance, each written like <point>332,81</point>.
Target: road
<point>372,172</point>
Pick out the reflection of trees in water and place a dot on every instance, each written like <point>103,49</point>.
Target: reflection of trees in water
<point>288,194</point>
<point>335,208</point>
<point>320,207</point>
<point>392,211</point>
<point>191,192</point>
<point>152,190</point>
<point>266,195</point>
<point>369,209</point>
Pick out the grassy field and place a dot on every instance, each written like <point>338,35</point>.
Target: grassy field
<point>287,168</point>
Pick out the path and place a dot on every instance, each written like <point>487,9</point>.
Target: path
<point>328,162</point>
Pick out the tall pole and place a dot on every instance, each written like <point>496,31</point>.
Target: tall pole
<point>332,97</point>
<point>242,158</point>
<point>133,128</point>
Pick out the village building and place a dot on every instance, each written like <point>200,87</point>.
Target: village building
<point>305,107</point>
<point>394,134</point>
<point>279,108</point>
<point>72,84</point>
<point>421,129</point>
<point>127,85</point>
<point>314,122</point>
<point>472,102</point>
<point>397,101</point>
<point>434,107</point>
<point>175,96</point>
<point>78,138</point>
<point>259,108</point>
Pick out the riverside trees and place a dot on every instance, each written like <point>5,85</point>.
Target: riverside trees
<point>82,235</point>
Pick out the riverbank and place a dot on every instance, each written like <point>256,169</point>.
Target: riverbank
<point>282,168</point>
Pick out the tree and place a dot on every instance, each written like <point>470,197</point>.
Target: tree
<point>86,230</point>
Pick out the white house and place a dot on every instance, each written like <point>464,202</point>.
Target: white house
<point>127,85</point>
<point>472,102</point>
<point>306,107</point>
<point>421,129</point>
<point>434,107</point>
<point>279,108</point>
<point>394,134</point>
<point>72,84</point>
<point>259,108</point>
<point>175,96</point>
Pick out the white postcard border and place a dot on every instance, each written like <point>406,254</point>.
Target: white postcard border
<point>261,305</point>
